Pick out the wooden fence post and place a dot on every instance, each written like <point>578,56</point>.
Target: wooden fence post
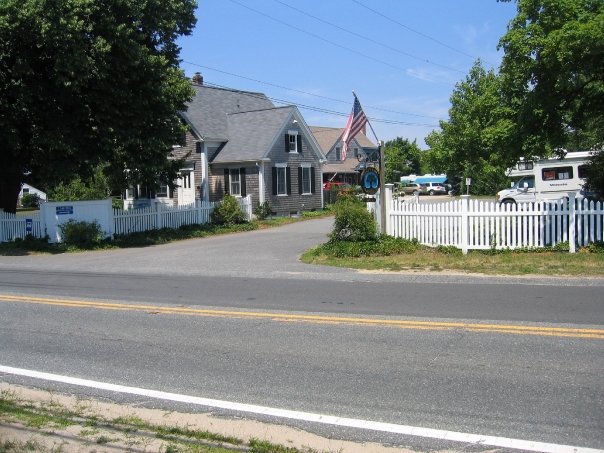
<point>43,229</point>
<point>572,226</point>
<point>2,225</point>
<point>387,228</point>
<point>464,223</point>
<point>158,222</point>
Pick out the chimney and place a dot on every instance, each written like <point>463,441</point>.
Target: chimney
<point>197,79</point>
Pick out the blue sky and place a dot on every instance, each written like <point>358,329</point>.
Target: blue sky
<point>401,57</point>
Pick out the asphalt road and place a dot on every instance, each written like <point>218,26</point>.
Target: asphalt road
<point>540,383</point>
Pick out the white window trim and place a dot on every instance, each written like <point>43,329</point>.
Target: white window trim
<point>231,171</point>
<point>158,195</point>
<point>293,134</point>
<point>306,166</point>
<point>284,166</point>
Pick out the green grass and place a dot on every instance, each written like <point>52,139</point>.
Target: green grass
<point>32,416</point>
<point>389,254</point>
<point>48,417</point>
<point>11,446</point>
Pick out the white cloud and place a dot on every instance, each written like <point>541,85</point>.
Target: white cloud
<point>440,77</point>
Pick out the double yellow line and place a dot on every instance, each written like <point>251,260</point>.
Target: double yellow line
<point>420,325</point>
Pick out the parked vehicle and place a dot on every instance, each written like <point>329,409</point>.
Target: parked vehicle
<point>411,188</point>
<point>547,179</point>
<point>435,188</point>
<point>329,185</point>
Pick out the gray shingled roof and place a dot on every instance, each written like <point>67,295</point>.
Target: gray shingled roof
<point>328,136</point>
<point>252,133</point>
<point>207,112</point>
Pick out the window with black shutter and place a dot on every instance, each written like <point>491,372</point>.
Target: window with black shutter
<point>293,142</point>
<point>288,180</point>
<point>235,181</point>
<point>281,180</point>
<point>305,180</point>
<point>243,187</point>
<point>226,181</point>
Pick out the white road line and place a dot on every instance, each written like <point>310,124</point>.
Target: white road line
<point>494,441</point>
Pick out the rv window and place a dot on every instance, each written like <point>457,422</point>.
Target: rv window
<point>525,165</point>
<point>582,171</point>
<point>554,174</point>
<point>529,180</point>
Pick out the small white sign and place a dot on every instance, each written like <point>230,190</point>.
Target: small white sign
<point>468,181</point>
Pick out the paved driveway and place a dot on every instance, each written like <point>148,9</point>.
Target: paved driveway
<point>270,252</point>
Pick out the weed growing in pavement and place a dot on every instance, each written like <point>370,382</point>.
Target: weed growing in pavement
<point>128,430</point>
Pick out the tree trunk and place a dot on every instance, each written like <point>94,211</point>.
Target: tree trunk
<point>10,186</point>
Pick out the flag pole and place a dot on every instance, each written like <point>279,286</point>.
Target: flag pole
<point>382,170</point>
<point>368,122</point>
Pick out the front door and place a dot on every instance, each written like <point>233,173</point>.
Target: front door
<point>186,188</point>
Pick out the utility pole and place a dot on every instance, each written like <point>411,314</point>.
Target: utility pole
<point>382,188</point>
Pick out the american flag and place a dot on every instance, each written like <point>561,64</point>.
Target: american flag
<point>356,121</point>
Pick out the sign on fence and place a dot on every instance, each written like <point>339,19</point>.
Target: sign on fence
<point>53,214</point>
<point>64,210</point>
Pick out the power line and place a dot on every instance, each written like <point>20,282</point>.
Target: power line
<point>366,38</point>
<point>319,37</point>
<point>320,109</point>
<point>417,32</point>
<point>306,92</point>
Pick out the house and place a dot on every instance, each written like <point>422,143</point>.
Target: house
<point>241,144</point>
<point>27,189</point>
<point>337,170</point>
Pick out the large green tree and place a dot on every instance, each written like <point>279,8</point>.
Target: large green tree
<point>402,158</point>
<point>553,75</point>
<point>471,143</point>
<point>89,82</point>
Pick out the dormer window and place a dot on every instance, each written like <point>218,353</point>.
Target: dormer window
<point>293,142</point>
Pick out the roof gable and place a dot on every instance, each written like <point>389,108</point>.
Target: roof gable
<point>251,134</point>
<point>329,137</point>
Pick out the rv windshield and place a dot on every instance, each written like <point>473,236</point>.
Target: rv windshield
<point>530,180</point>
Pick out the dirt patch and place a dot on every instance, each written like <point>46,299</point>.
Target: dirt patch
<point>103,435</point>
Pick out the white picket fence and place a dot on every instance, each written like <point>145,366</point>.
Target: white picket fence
<point>475,224</point>
<point>124,221</point>
<point>160,216</point>
<point>14,226</point>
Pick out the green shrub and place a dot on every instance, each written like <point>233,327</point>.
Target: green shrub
<point>30,200</point>
<point>263,210</point>
<point>449,250</point>
<point>94,188</point>
<point>383,245</point>
<point>81,234</point>
<point>353,223</point>
<point>228,212</point>
<point>595,247</point>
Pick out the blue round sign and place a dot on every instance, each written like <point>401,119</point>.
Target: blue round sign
<point>370,181</point>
